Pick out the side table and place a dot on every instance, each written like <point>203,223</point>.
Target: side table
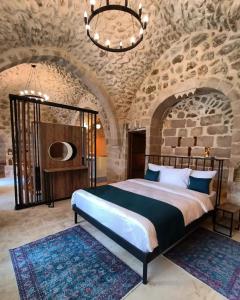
<point>224,220</point>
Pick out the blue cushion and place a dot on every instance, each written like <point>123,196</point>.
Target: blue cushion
<point>152,175</point>
<point>199,184</point>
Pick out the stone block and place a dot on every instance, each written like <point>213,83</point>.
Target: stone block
<point>182,132</point>
<point>236,149</point>
<point>191,123</point>
<point>177,123</point>
<point>198,151</point>
<point>221,152</point>
<point>224,141</point>
<point>212,130</point>
<point>236,136</point>
<point>167,151</point>
<point>205,141</point>
<point>236,121</point>
<point>169,132</point>
<point>187,142</point>
<point>177,59</point>
<point>181,115</point>
<point>150,89</point>
<point>181,151</point>
<point>171,141</point>
<point>197,131</point>
<point>211,120</point>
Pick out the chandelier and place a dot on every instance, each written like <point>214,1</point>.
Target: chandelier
<point>121,46</point>
<point>31,89</point>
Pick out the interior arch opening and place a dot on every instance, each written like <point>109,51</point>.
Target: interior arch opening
<point>198,124</point>
<point>101,152</point>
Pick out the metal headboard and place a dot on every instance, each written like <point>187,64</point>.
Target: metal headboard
<point>193,162</point>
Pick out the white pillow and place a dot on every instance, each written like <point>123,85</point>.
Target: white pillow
<point>154,167</point>
<point>177,177</point>
<point>203,174</point>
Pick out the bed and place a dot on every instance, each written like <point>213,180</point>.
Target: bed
<point>149,234</point>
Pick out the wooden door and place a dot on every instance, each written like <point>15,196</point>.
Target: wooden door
<point>136,154</point>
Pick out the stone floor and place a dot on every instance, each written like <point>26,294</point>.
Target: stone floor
<point>166,280</point>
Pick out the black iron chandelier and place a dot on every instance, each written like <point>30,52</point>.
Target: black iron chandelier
<point>122,46</point>
<point>32,89</point>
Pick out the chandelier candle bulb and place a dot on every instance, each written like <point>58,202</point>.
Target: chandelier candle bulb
<point>133,40</point>
<point>92,3</point>
<point>121,45</point>
<point>140,9</point>
<point>107,43</point>
<point>88,27</point>
<point>141,32</point>
<point>85,17</point>
<point>145,21</point>
<point>96,36</point>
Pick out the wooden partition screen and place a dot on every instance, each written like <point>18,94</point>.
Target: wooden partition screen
<point>32,137</point>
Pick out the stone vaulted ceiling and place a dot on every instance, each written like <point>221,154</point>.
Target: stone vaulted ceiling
<point>58,24</point>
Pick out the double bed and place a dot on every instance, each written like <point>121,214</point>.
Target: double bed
<point>174,210</point>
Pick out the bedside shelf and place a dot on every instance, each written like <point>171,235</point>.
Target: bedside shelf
<point>224,221</point>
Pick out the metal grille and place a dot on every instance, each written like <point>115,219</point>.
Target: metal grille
<point>26,115</point>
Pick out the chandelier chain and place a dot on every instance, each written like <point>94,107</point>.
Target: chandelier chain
<point>33,81</point>
<point>98,17</point>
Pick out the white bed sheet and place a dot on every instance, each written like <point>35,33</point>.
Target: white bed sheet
<point>133,227</point>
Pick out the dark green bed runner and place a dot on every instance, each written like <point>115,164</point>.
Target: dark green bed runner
<point>167,219</point>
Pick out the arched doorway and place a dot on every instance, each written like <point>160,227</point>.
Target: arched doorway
<point>101,153</point>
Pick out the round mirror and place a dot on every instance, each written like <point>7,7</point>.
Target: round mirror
<point>61,151</point>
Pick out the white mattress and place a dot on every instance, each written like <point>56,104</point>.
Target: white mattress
<point>133,227</point>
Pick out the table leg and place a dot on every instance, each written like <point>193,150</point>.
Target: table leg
<point>50,187</point>
<point>231,230</point>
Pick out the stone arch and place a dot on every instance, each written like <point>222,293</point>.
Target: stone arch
<point>60,57</point>
<point>166,99</point>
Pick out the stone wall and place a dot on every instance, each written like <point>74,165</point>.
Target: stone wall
<point>198,122</point>
<point>185,40</point>
<point>202,60</point>
<point>209,56</point>
<point>59,84</point>
<point>58,25</point>
<point>206,60</point>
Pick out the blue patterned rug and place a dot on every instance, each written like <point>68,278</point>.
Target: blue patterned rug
<point>212,258</point>
<point>71,264</point>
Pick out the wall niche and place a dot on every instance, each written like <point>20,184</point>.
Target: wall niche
<point>199,122</point>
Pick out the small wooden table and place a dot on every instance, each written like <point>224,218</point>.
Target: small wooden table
<point>49,178</point>
<point>224,217</point>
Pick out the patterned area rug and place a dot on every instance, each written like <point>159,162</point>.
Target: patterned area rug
<point>212,258</point>
<point>71,264</point>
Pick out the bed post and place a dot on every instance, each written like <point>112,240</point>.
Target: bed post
<point>145,265</point>
<point>75,217</point>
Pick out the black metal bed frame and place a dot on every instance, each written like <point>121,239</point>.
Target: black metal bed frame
<point>178,162</point>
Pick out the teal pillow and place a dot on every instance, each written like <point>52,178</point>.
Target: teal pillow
<point>152,175</point>
<point>201,185</point>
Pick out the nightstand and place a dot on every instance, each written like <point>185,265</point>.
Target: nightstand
<point>225,219</point>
